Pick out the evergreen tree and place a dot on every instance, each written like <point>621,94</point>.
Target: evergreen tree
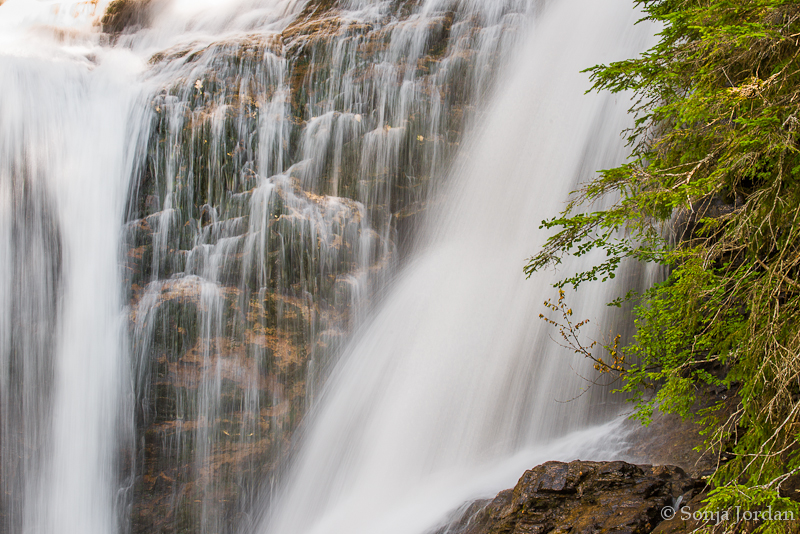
<point>712,191</point>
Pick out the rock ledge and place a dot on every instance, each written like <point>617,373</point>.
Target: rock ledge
<point>582,498</point>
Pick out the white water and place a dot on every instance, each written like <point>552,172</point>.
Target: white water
<point>455,376</point>
<point>445,395</point>
<point>65,159</point>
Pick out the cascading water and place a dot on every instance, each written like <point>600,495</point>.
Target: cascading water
<point>455,374</point>
<point>286,164</point>
<point>65,127</point>
<point>273,175</point>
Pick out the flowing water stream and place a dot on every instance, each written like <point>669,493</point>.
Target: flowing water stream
<point>454,373</point>
<point>261,260</point>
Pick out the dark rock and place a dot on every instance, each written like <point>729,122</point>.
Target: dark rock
<point>670,440</point>
<point>583,497</point>
<point>790,488</point>
<point>690,224</point>
<point>683,522</point>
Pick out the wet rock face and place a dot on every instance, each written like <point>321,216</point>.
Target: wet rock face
<point>582,497</point>
<point>282,173</point>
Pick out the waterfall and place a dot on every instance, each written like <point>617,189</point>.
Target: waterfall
<point>65,159</point>
<point>454,376</point>
<point>261,260</point>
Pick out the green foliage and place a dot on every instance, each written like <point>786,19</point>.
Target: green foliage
<point>712,191</point>
<point>684,328</point>
<point>738,500</point>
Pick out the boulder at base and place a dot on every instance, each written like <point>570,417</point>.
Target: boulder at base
<point>583,498</point>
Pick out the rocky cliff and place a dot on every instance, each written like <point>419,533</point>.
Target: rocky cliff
<point>284,172</point>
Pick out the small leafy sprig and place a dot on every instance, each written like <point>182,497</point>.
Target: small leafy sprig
<point>570,334</point>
